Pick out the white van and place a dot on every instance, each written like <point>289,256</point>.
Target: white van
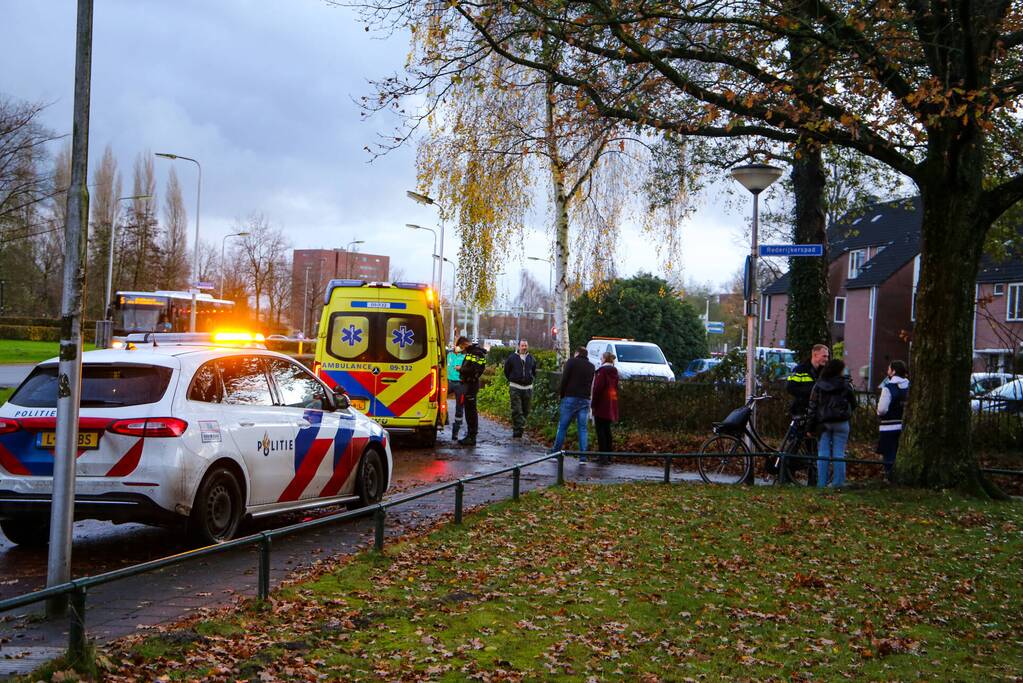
<point>635,359</point>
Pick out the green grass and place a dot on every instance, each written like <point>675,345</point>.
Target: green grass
<point>5,394</point>
<point>646,582</point>
<point>20,351</point>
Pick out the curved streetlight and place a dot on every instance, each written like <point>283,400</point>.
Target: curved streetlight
<point>438,266</point>
<point>223,267</point>
<point>110,262</point>
<point>433,275</point>
<point>348,253</point>
<point>550,272</point>
<point>195,248</point>
<point>756,178</point>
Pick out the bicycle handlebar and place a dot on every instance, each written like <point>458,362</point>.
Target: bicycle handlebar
<point>753,399</point>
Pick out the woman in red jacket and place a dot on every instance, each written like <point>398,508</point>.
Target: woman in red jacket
<point>604,403</point>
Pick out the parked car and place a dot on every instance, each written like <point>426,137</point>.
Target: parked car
<point>984,382</point>
<point>1007,398</point>
<point>700,366</point>
<point>186,431</point>
<point>635,359</point>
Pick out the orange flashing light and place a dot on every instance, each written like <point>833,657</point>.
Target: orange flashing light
<point>238,338</point>
<point>429,297</point>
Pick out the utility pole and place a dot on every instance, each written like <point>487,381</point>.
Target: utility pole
<point>69,373</point>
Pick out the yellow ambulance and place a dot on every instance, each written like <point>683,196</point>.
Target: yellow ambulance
<point>382,343</point>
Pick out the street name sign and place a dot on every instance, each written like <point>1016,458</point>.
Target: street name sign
<point>714,327</point>
<point>792,250</point>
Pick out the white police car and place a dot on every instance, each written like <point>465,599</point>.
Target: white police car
<point>178,429</point>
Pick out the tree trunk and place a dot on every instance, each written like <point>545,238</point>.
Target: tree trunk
<point>807,312</point>
<point>561,246</point>
<point>937,449</point>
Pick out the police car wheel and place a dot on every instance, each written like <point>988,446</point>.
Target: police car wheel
<point>27,532</point>
<point>370,484</point>
<point>218,507</point>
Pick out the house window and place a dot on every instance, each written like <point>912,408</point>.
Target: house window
<point>999,290</point>
<point>1014,310</point>
<point>767,307</point>
<point>839,309</point>
<point>856,259</point>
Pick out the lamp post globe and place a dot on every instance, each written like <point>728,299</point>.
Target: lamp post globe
<point>756,178</point>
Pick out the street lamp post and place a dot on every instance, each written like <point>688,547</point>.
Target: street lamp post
<point>110,261</point>
<point>454,293</point>
<point>195,247</point>
<point>348,254</point>
<point>439,267</point>
<point>223,264</point>
<point>434,282</point>
<point>756,178</point>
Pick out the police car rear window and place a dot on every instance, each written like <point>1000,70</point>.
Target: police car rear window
<point>377,337</point>
<point>103,386</point>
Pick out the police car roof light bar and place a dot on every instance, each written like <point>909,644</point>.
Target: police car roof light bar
<point>411,285</point>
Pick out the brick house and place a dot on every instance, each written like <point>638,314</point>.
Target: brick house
<point>312,269</point>
<point>872,279</point>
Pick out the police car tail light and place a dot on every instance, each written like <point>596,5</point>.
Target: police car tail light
<point>150,427</point>
<point>7,425</point>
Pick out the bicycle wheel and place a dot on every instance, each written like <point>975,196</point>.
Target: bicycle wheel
<point>730,463</point>
<point>803,472</point>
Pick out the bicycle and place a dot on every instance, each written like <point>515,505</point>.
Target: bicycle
<point>732,462</point>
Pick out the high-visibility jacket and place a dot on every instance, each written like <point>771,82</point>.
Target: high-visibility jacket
<point>799,386</point>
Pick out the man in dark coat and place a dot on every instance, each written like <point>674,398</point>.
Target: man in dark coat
<point>803,377</point>
<point>576,384</point>
<point>520,369</point>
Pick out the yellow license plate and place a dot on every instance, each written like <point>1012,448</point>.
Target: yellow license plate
<point>360,404</point>
<point>85,439</point>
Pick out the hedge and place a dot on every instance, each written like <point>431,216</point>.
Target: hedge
<point>30,332</point>
<point>691,408</point>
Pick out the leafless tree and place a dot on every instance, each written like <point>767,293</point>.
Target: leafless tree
<point>263,249</point>
<point>174,247</point>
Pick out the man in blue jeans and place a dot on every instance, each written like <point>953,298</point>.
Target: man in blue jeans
<point>576,383</point>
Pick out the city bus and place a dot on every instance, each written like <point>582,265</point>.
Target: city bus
<point>167,311</point>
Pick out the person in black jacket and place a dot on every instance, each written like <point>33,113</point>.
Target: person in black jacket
<point>520,369</point>
<point>576,384</point>
<point>832,402</point>
<point>473,365</point>
<point>802,378</point>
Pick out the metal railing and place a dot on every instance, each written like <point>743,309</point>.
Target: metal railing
<point>76,590</point>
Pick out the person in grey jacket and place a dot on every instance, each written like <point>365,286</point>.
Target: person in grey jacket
<point>520,370</point>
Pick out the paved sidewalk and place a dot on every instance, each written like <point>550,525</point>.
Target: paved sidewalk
<point>126,606</point>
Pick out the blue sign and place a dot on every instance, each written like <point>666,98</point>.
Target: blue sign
<point>715,327</point>
<point>792,250</point>
<point>394,305</point>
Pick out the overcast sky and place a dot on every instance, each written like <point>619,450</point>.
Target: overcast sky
<point>262,94</point>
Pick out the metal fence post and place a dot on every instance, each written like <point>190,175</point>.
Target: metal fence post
<point>667,470</point>
<point>783,469</point>
<point>77,641</point>
<point>516,476</point>
<point>459,488</point>
<point>378,518</point>
<point>561,468</point>
<point>264,567</point>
